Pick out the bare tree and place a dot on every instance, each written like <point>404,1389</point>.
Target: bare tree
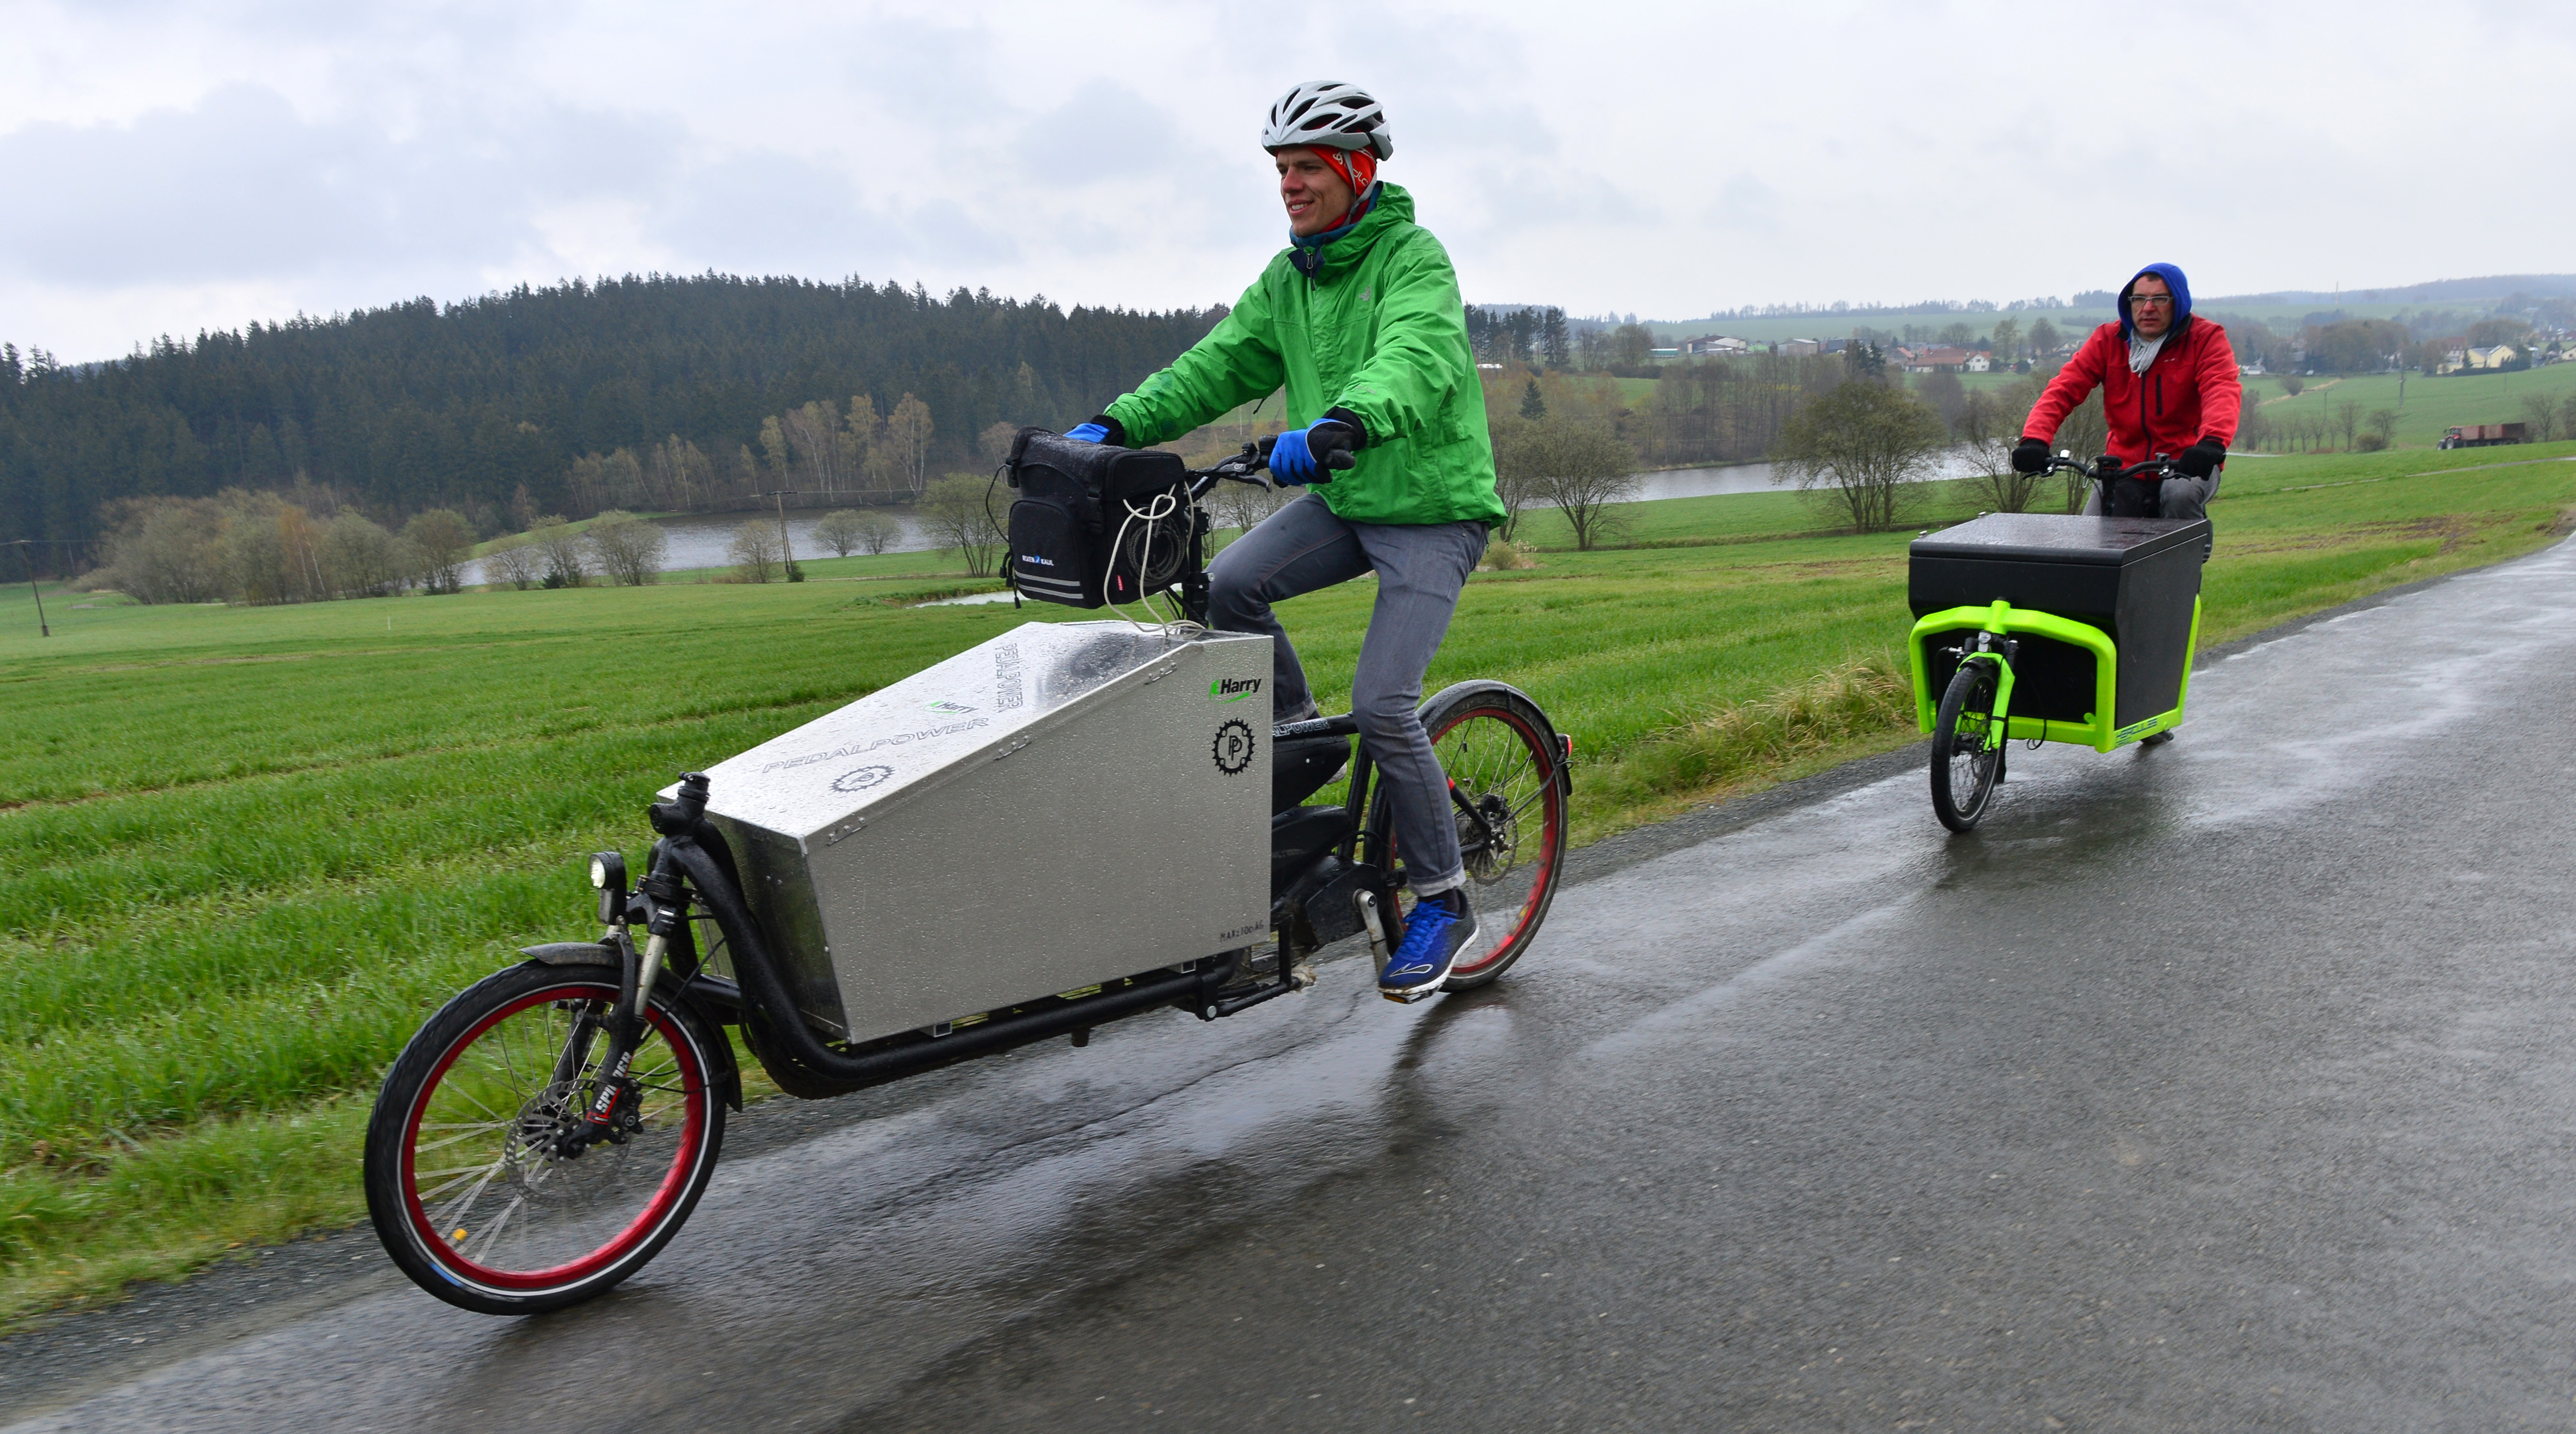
<point>270,548</point>
<point>566,563</point>
<point>166,551</point>
<point>1865,448</point>
<point>877,532</point>
<point>957,511</point>
<point>361,559</point>
<point>2541,413</point>
<point>908,432</point>
<point>862,434</point>
<point>1989,425</point>
<point>1240,507</point>
<point>518,563</point>
<point>629,549</point>
<point>2381,431</point>
<point>839,531</point>
<point>754,551</point>
<point>1584,471</point>
<point>1517,445</point>
<point>2083,433</point>
<point>828,456</point>
<point>1941,389</point>
<point>993,445</point>
<point>2347,416</point>
<point>444,540</point>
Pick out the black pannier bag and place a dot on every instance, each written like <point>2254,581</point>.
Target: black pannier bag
<point>1074,501</point>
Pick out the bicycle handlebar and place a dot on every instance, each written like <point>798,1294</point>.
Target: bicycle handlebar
<point>1254,458</point>
<point>2107,467</point>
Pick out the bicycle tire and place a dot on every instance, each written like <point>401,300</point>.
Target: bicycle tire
<point>1499,749</point>
<point>1964,775</point>
<point>481,1080</point>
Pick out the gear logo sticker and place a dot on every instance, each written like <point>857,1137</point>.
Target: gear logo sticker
<point>1233,748</point>
<point>860,779</point>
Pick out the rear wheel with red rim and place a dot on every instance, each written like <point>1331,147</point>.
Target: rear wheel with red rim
<point>473,1190</point>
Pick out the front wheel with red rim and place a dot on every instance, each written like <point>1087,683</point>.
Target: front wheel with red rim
<point>1504,765</point>
<point>473,1188</point>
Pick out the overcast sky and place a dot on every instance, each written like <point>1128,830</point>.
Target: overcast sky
<point>169,167</point>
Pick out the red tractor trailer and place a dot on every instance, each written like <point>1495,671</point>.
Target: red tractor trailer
<point>2485,435</point>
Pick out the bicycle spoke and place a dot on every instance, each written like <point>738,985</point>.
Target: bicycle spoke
<point>492,1236</point>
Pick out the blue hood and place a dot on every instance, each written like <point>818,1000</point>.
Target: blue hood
<point>2173,280</point>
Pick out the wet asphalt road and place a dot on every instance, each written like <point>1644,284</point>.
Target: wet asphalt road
<point>2222,1086</point>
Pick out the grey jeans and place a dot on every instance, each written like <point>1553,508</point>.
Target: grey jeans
<point>2176,497</point>
<point>1420,569</point>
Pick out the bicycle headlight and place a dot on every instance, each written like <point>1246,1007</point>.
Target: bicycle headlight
<point>608,877</point>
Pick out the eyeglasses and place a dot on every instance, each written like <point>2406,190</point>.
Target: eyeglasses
<point>2156,301</point>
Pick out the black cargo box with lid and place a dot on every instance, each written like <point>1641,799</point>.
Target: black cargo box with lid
<point>2134,578</point>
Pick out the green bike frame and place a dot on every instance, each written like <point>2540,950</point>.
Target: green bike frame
<point>2003,620</point>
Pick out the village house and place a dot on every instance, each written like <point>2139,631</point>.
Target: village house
<point>1932,360</point>
<point>2468,356</point>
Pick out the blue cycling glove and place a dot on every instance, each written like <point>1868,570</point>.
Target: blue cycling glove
<point>1299,454</point>
<point>1291,462</point>
<point>1086,433</point>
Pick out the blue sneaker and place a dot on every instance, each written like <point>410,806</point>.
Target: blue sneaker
<point>1439,928</point>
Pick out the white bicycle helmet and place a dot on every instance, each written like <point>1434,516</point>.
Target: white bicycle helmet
<point>1329,113</point>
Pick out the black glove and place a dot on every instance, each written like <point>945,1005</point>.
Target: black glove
<point>2030,456</point>
<point>2200,459</point>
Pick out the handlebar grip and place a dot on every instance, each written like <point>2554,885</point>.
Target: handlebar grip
<point>1338,460</point>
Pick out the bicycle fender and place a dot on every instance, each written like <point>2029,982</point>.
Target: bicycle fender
<point>574,953</point>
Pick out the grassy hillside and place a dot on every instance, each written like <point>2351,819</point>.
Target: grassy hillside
<point>243,852</point>
<point>2430,404</point>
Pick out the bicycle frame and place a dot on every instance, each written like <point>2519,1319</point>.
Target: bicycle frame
<point>1999,622</point>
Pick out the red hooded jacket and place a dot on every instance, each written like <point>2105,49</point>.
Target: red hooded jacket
<point>2190,392</point>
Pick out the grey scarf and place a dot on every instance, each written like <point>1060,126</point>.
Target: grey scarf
<point>2142,352</point>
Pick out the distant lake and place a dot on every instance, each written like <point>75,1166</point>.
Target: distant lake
<point>1747,478</point>
<point>698,540</point>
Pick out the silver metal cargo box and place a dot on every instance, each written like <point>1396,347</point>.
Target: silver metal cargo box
<point>1067,803</point>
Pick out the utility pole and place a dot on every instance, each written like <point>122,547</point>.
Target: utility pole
<point>784,546</point>
<point>30,560</point>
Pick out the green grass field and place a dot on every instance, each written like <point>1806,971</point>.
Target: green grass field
<point>244,851</point>
<point>2430,404</point>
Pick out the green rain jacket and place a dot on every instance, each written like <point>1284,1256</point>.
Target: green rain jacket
<point>1377,330</point>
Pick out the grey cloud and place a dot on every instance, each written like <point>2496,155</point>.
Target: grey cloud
<point>1746,203</point>
<point>239,186</point>
<point>775,213</point>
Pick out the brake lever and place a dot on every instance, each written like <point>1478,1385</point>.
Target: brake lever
<point>1340,460</point>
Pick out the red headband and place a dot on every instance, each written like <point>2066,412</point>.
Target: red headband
<point>1357,167</point>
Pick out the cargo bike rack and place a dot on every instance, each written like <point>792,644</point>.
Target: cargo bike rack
<point>549,1130</point>
<point>2021,624</point>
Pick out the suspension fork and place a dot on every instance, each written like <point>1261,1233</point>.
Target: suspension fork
<point>667,901</point>
<point>2000,651</point>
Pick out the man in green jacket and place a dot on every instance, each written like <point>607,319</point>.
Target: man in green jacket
<point>1360,319</point>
